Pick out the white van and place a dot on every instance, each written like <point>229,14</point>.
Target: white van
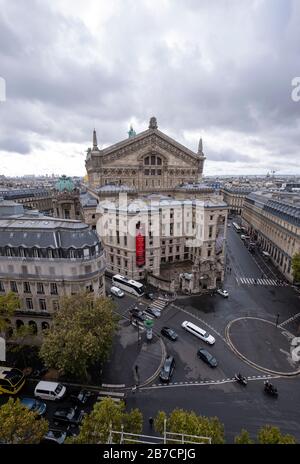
<point>50,390</point>
<point>116,291</point>
<point>200,333</point>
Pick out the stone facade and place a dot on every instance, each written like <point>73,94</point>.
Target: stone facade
<point>148,161</point>
<point>43,259</point>
<point>160,179</point>
<point>235,197</point>
<point>273,221</point>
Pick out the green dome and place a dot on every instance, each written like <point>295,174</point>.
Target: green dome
<point>64,184</point>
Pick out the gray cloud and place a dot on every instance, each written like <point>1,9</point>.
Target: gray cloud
<point>198,66</point>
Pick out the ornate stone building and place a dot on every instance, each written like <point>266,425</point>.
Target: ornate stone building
<point>155,182</point>
<point>147,161</point>
<point>66,202</point>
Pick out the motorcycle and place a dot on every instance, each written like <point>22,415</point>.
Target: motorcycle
<point>270,389</point>
<point>239,378</point>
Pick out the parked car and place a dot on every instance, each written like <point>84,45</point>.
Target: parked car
<point>169,333</point>
<point>116,291</point>
<point>52,391</point>
<point>38,373</point>
<point>167,369</point>
<point>70,416</point>
<point>81,397</point>
<point>54,436</point>
<point>138,314</point>
<point>198,332</point>
<point>207,357</point>
<point>34,405</point>
<point>245,237</point>
<point>149,296</point>
<point>153,311</point>
<point>223,292</point>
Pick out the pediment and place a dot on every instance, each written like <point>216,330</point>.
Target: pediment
<point>150,141</point>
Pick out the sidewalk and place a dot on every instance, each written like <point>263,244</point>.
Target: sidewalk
<point>128,353</point>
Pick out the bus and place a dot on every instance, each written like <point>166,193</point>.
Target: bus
<point>11,380</point>
<point>130,286</point>
<point>237,227</point>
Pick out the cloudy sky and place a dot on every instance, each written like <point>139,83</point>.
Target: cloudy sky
<point>219,69</point>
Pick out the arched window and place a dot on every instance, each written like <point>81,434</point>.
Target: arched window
<point>45,325</point>
<point>147,160</point>
<point>19,324</point>
<point>33,325</point>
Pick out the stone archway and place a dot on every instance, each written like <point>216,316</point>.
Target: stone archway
<point>45,325</point>
<point>33,325</point>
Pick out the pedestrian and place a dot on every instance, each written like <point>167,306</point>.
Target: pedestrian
<point>151,422</point>
<point>262,276</point>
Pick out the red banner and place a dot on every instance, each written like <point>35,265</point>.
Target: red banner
<point>140,249</point>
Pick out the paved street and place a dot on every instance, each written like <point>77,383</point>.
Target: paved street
<point>247,341</point>
<point>211,392</point>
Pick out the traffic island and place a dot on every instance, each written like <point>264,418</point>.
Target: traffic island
<point>263,345</point>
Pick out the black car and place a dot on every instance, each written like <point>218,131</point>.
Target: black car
<point>149,296</point>
<point>153,311</point>
<point>167,369</point>
<point>54,436</point>
<point>137,314</point>
<point>207,357</point>
<point>70,416</point>
<point>169,333</point>
<point>81,397</point>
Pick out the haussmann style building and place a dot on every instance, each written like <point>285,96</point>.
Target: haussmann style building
<point>43,259</point>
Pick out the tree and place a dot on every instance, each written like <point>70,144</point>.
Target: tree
<point>96,425</point>
<point>272,436</point>
<point>243,438</point>
<point>8,304</point>
<point>22,335</point>
<point>19,425</point>
<point>189,423</point>
<point>81,334</point>
<point>296,267</point>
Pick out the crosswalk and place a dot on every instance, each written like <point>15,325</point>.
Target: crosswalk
<point>157,304</point>
<point>255,281</point>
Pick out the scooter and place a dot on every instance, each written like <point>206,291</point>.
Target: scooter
<point>239,378</point>
<point>270,389</point>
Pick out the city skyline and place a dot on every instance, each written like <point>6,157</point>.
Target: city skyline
<point>110,65</point>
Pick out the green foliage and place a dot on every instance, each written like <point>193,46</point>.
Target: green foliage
<point>81,334</point>
<point>96,425</point>
<point>19,425</point>
<point>181,421</point>
<point>243,438</point>
<point>272,436</point>
<point>296,267</point>
<point>8,304</point>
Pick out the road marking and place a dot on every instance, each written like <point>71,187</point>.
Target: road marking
<point>291,319</point>
<point>210,382</point>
